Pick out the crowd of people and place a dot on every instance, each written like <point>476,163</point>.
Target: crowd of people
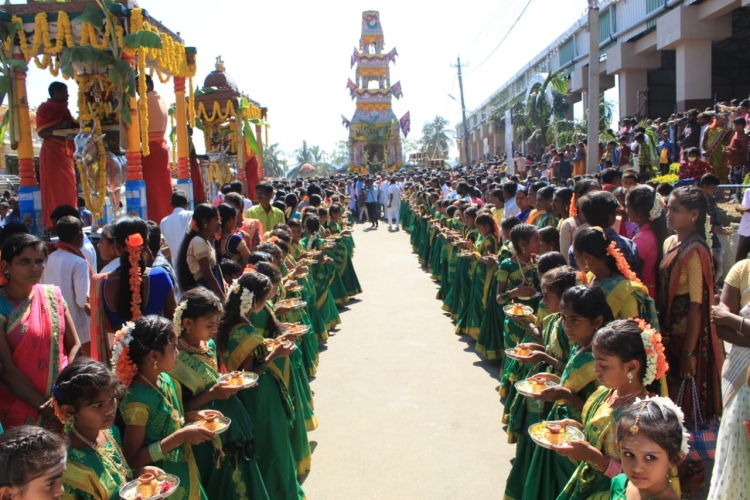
<point>602,289</point>
<point>128,363</point>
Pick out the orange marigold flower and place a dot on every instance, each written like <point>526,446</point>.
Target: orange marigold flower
<point>622,264</point>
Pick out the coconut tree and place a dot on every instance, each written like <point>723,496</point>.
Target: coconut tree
<point>272,163</point>
<point>436,138</point>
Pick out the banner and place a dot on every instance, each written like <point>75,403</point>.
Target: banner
<point>392,56</point>
<point>396,90</point>
<point>346,123</point>
<point>352,87</point>
<point>405,123</point>
<point>355,57</point>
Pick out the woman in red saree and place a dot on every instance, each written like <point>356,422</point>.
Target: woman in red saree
<point>37,336</point>
<point>694,352</point>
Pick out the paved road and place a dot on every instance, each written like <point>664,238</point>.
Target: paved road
<point>406,409</point>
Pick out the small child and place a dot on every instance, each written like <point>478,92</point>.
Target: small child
<point>155,431</point>
<point>652,440</point>
<point>231,270</point>
<point>85,400</point>
<point>227,465</point>
<point>32,463</point>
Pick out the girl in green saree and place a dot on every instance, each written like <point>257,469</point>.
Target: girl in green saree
<point>583,311</point>
<point>85,399</point>
<point>462,286</point>
<point>517,280</point>
<point>337,253</point>
<point>32,461</point>
<point>552,353</point>
<point>303,276</point>
<point>345,265</point>
<point>323,272</point>
<point>625,369</point>
<point>626,295</point>
<point>242,347</point>
<point>227,463</point>
<point>482,269</point>
<point>155,431</point>
<point>455,226</point>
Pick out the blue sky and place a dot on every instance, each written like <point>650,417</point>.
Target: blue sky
<point>293,56</point>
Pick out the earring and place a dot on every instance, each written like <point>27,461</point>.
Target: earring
<point>156,365</point>
<point>630,377</point>
<point>68,424</point>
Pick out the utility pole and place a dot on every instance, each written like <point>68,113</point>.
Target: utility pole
<point>463,110</point>
<point>592,154</point>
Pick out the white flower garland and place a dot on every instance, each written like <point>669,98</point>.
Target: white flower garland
<point>650,375</point>
<point>709,240</point>
<point>657,208</point>
<point>177,318</point>
<point>124,340</point>
<point>247,298</point>
<point>667,404</point>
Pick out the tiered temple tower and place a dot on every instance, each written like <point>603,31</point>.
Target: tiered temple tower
<point>374,131</point>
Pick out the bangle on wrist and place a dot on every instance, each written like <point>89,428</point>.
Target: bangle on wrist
<point>742,325</point>
<point>613,469</point>
<point>687,354</point>
<point>154,451</point>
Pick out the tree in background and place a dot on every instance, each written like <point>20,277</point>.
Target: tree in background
<point>272,161</point>
<point>436,138</point>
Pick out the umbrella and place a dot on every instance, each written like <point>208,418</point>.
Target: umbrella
<point>307,168</point>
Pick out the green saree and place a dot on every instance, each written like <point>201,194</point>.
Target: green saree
<point>271,412</point>
<point>470,321</point>
<point>629,299</point>
<point>523,481</point>
<point>462,284</point>
<point>323,276</point>
<point>513,275</point>
<point>600,428</point>
<point>307,343</point>
<point>87,477</point>
<point>227,463</point>
<point>451,254</point>
<point>142,406</point>
<point>344,252</point>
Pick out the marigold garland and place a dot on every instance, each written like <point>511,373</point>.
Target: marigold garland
<point>135,248</point>
<point>143,102</point>
<point>573,211</point>
<point>124,367</point>
<point>622,264</point>
<point>582,278</point>
<point>657,364</point>
<point>194,226</point>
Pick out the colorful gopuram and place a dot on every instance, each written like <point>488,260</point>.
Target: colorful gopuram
<point>374,131</point>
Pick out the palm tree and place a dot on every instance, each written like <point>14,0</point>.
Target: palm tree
<point>436,138</point>
<point>546,102</point>
<point>303,154</point>
<point>318,155</point>
<point>272,163</point>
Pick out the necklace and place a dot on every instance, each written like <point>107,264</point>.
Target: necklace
<point>108,455</point>
<point>654,496</point>
<point>174,414</point>
<point>12,299</point>
<point>620,401</point>
<point>191,349</point>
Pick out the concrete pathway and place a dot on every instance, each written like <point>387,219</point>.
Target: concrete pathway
<point>407,410</point>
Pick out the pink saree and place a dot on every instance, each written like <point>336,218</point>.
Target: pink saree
<point>35,331</point>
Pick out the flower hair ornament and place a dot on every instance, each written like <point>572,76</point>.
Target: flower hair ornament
<point>65,419</point>
<point>709,240</point>
<point>134,244</point>
<point>194,226</point>
<point>124,367</point>
<point>664,405</point>
<point>177,318</point>
<point>622,264</point>
<point>656,360</point>
<point>658,207</point>
<point>583,279</point>
<point>247,298</point>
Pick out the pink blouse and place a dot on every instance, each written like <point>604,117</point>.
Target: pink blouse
<point>645,240</point>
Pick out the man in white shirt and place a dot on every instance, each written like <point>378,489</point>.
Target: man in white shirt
<point>88,250</point>
<point>393,205</point>
<point>175,226</point>
<point>510,208</point>
<point>446,188</point>
<point>68,269</point>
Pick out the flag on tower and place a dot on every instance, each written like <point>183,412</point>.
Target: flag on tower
<point>346,123</point>
<point>396,90</point>
<point>405,123</point>
<point>355,57</point>
<point>352,87</point>
<point>392,55</point>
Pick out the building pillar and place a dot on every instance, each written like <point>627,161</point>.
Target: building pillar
<point>184,182</point>
<point>135,187</point>
<point>29,195</point>
<point>632,84</point>
<point>693,74</point>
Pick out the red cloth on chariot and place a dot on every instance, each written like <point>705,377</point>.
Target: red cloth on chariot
<point>158,179</point>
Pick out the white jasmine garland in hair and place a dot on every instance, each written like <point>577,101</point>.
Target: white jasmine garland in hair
<point>236,287</point>
<point>709,241</point>
<point>177,318</point>
<point>246,302</point>
<point>667,404</point>
<point>122,340</point>
<point>657,208</point>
